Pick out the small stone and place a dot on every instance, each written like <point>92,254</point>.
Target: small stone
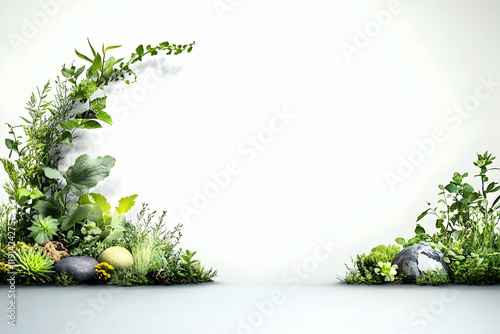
<point>80,267</point>
<point>53,249</point>
<point>415,259</point>
<point>118,257</point>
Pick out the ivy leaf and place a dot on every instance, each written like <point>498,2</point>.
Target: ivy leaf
<point>98,104</point>
<point>126,203</point>
<point>86,173</point>
<point>104,116</point>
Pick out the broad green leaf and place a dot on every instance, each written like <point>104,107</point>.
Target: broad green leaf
<point>67,72</point>
<point>126,203</point>
<point>102,202</point>
<point>140,50</point>
<point>21,192</point>
<point>446,259</point>
<point>109,63</point>
<point>451,188</point>
<point>90,124</point>
<point>78,215</point>
<point>36,194</point>
<point>11,145</point>
<point>401,241</point>
<point>48,207</point>
<point>70,124</point>
<point>86,173</point>
<point>105,117</point>
<point>96,65</point>
<point>82,56</point>
<point>52,173</point>
<point>98,104</point>
<point>419,229</point>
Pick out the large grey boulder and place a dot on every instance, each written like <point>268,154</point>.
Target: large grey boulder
<point>412,261</point>
<point>80,267</point>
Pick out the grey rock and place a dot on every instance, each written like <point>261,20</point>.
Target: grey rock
<point>414,260</point>
<point>80,267</point>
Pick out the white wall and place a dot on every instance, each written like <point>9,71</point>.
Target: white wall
<point>323,175</point>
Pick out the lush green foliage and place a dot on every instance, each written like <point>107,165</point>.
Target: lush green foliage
<point>47,203</point>
<point>367,268</point>
<point>467,231</point>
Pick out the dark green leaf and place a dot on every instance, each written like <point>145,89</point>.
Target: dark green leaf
<point>140,50</point>
<point>11,145</point>
<point>419,229</point>
<point>451,188</point>
<point>67,73</point>
<point>86,173</point>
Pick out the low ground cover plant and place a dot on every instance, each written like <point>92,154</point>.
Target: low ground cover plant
<point>466,219</point>
<point>49,204</point>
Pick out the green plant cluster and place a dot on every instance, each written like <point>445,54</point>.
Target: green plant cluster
<point>467,223</point>
<point>47,203</point>
<point>373,268</point>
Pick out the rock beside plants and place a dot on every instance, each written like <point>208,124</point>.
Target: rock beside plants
<point>80,267</point>
<point>53,249</point>
<point>414,260</point>
<point>118,257</point>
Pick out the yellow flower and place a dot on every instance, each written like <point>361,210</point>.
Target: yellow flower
<point>457,263</point>
<point>109,276</point>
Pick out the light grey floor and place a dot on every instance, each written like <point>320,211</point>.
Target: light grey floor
<point>225,308</point>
